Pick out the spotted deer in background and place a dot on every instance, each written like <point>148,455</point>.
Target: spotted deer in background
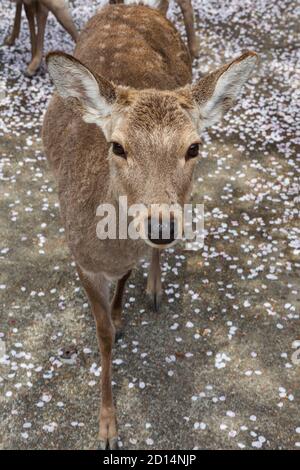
<point>37,13</point>
<point>126,121</point>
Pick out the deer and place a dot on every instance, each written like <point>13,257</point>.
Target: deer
<point>126,120</point>
<point>187,11</point>
<point>37,12</point>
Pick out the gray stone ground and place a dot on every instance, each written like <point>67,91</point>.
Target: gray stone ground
<point>217,366</point>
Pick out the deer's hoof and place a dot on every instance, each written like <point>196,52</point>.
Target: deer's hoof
<point>118,324</point>
<point>34,67</point>
<point>155,300</point>
<point>108,435</point>
<point>103,445</point>
<point>194,48</point>
<point>109,444</point>
<point>29,73</point>
<point>9,41</point>
<point>119,334</point>
<point>113,443</point>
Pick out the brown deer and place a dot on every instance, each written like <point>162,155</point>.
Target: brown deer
<point>37,12</point>
<point>187,11</point>
<point>126,121</point>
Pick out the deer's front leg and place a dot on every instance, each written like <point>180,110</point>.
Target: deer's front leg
<point>116,305</point>
<point>10,39</point>
<point>98,294</point>
<point>154,289</point>
<point>108,433</point>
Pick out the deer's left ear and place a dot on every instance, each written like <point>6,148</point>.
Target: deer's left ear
<point>216,92</point>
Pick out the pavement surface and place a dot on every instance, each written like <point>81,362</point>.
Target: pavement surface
<point>219,366</point>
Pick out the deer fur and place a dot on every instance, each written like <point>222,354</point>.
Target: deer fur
<point>135,89</point>
<point>187,11</point>
<point>37,13</point>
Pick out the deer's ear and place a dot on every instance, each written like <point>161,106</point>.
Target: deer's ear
<point>216,92</point>
<point>73,79</point>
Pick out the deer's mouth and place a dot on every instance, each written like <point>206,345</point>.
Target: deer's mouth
<point>160,246</point>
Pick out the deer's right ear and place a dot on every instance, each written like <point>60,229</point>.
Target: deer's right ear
<point>73,79</point>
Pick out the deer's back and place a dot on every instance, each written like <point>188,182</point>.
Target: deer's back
<point>134,46</point>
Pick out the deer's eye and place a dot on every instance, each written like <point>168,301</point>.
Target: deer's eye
<point>118,150</point>
<point>192,152</point>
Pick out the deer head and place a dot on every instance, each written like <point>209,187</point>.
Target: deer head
<point>154,135</point>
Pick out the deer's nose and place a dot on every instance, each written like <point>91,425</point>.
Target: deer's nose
<point>161,232</point>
